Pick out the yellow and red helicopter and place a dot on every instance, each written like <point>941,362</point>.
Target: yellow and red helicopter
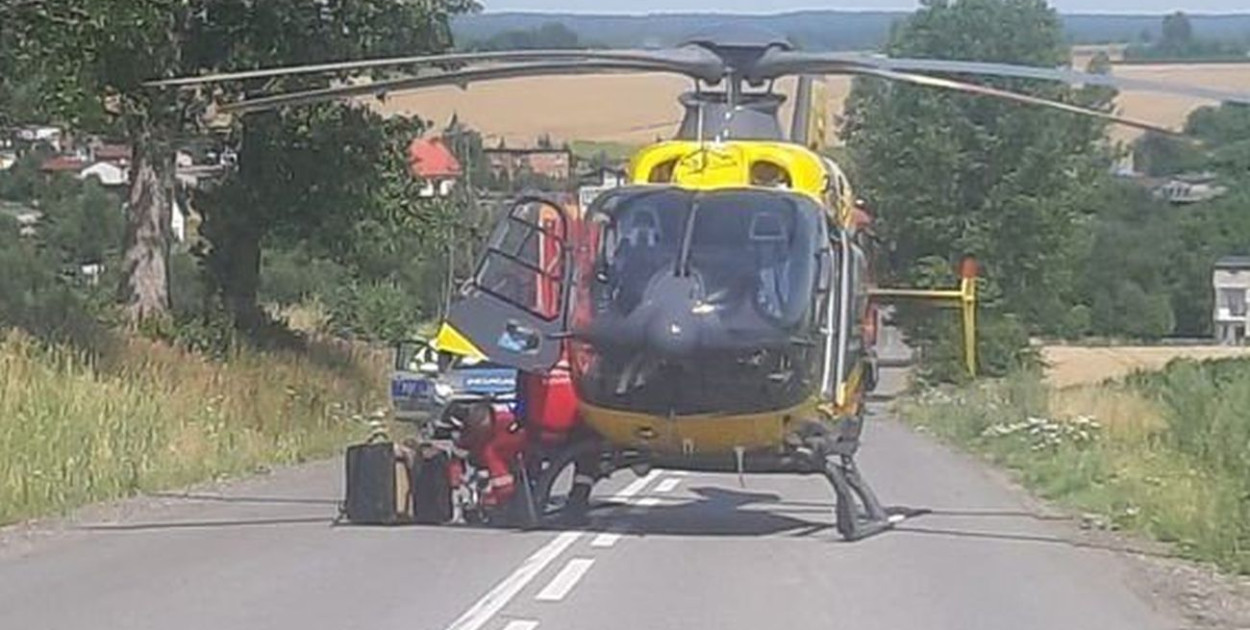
<point>715,314</point>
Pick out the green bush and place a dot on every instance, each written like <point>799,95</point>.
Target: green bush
<point>292,276</point>
<point>36,297</point>
<point>377,311</point>
<point>1002,343</point>
<point>1206,404</point>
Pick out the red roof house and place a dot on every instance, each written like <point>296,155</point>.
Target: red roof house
<point>63,164</point>
<point>429,158</point>
<point>117,153</point>
<point>431,161</point>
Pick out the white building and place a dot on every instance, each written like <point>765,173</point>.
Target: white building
<point>109,174</point>
<point>605,179</point>
<point>45,134</point>
<point>1231,281</point>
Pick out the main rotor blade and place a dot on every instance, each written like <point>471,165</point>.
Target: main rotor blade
<point>458,78</point>
<point>982,90</point>
<point>695,61</point>
<point>779,62</point>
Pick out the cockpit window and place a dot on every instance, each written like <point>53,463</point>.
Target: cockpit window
<point>757,248</point>
<point>643,235</point>
<point>749,250</point>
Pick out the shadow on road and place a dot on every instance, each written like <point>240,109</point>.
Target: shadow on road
<point>225,523</point>
<point>1030,538</point>
<point>723,512</point>
<point>999,514</point>
<point>216,498</point>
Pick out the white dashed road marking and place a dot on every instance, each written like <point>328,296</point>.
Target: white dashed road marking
<point>606,539</point>
<point>667,485</point>
<point>565,580</point>
<point>642,504</point>
<point>498,597</point>
<point>636,486</point>
<point>521,624</point>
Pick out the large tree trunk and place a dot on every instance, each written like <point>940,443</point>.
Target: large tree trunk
<point>145,284</point>
<point>239,261</point>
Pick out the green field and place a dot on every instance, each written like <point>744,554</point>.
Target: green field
<point>149,417</point>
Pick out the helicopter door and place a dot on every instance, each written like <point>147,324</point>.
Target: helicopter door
<point>514,309</point>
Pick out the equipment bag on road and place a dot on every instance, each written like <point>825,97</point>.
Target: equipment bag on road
<point>379,485</point>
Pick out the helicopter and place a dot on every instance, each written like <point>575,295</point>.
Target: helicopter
<point>715,314</point>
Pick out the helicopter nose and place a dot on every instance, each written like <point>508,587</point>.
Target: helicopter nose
<point>673,328</point>
<point>673,333</point>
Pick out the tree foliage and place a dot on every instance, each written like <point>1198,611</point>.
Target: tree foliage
<point>1178,41</point>
<point>92,57</point>
<point>548,36</point>
<point>1005,183</point>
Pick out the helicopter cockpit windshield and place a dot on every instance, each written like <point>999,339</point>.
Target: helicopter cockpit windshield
<point>750,252</point>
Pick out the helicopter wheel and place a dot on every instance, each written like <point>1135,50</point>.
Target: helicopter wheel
<point>560,493</point>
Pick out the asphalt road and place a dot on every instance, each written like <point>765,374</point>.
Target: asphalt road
<point>667,551</point>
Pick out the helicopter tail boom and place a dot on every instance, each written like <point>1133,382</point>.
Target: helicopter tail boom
<point>965,298</point>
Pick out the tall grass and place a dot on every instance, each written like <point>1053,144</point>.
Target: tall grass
<point>1166,454</point>
<point>75,430</point>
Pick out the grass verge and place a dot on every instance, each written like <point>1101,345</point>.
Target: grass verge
<point>75,430</point>
<point>1166,454</point>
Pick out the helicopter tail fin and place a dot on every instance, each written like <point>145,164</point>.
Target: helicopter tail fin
<point>965,297</point>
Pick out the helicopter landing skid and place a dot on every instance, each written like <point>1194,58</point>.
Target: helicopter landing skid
<point>851,491</point>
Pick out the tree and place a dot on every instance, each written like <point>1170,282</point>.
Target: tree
<point>94,56</point>
<point>548,36</point>
<point>91,58</point>
<point>1003,182</point>
<point>989,178</point>
<point>1178,33</point>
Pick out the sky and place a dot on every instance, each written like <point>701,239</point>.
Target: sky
<point>775,6</point>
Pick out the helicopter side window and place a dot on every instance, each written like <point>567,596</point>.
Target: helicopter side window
<point>524,263</point>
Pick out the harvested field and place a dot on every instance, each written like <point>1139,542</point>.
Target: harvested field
<point>1077,365</point>
<point>631,109</point>
<point>639,108</point>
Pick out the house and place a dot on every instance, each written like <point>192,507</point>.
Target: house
<point>1231,281</point>
<point>42,134</point>
<point>63,164</point>
<point>110,174</point>
<point>431,161</point>
<point>601,181</point>
<point>1189,189</point>
<point>8,152</point>
<point>553,164</point>
<point>117,154</point>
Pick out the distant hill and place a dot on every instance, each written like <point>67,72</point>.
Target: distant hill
<point>815,30</point>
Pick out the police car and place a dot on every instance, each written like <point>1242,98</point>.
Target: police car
<point>426,381</point>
